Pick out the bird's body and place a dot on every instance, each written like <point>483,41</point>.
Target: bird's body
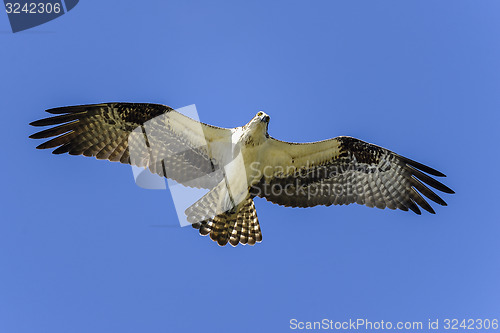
<point>241,163</point>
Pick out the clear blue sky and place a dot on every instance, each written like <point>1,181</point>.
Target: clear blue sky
<point>83,249</point>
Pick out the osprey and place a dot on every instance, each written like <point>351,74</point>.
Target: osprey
<point>238,164</point>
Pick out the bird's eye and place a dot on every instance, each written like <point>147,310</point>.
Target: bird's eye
<point>259,114</point>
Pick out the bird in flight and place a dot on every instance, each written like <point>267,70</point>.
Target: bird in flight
<point>238,164</point>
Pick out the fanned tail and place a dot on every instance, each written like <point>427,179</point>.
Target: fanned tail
<point>237,225</point>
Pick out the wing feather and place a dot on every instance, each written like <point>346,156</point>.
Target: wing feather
<point>147,135</point>
<point>346,170</point>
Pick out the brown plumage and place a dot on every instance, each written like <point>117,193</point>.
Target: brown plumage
<point>339,171</point>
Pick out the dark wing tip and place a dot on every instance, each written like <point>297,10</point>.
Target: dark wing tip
<point>416,210</point>
<point>446,189</point>
<point>428,179</point>
<point>82,107</point>
<point>62,149</point>
<point>40,122</point>
<point>422,167</point>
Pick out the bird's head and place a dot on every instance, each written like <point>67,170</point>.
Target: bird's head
<point>257,127</point>
<point>259,123</point>
<point>261,119</point>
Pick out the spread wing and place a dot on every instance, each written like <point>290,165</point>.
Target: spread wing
<point>345,170</point>
<point>146,135</point>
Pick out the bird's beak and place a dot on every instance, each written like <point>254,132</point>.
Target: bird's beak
<point>265,119</point>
